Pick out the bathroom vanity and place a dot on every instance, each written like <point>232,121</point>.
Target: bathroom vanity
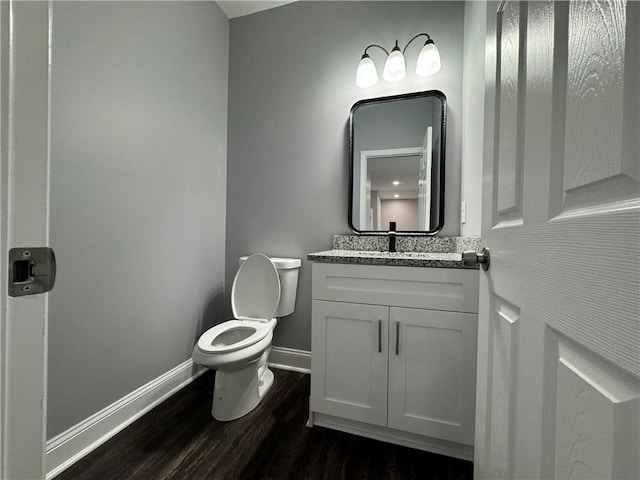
<point>394,347</point>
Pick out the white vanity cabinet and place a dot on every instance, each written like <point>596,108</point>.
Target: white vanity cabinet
<point>394,354</point>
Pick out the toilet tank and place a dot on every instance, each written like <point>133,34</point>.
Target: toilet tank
<point>288,269</point>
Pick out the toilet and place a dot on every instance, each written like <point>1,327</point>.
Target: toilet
<point>263,290</point>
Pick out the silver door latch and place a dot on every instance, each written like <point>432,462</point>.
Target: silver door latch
<point>31,271</point>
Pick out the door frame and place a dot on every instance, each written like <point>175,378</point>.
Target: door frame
<point>25,34</point>
<point>4,162</point>
<point>365,155</point>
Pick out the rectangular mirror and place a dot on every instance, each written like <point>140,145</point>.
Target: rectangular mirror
<point>397,153</point>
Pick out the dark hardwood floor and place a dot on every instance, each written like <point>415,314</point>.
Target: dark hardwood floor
<point>180,440</point>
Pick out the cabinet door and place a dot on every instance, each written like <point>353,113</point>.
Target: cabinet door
<point>349,358</point>
<point>432,365</point>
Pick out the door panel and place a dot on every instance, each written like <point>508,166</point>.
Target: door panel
<point>503,362</point>
<point>592,409</point>
<point>509,159</point>
<point>349,371</point>
<point>559,317</point>
<point>596,163</point>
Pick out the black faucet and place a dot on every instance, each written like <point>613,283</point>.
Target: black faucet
<point>392,236</point>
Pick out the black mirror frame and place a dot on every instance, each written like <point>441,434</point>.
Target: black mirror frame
<point>428,93</point>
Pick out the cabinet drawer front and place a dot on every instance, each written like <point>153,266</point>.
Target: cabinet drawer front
<point>415,287</point>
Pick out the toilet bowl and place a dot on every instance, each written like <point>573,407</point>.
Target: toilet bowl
<point>238,349</point>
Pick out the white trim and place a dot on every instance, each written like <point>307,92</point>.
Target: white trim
<point>290,359</point>
<point>4,225</point>
<point>365,155</point>
<point>25,163</point>
<point>391,152</point>
<point>424,184</point>
<point>389,435</point>
<point>70,446</point>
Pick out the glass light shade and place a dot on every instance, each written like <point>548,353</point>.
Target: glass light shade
<point>428,60</point>
<point>395,68</point>
<point>366,75</point>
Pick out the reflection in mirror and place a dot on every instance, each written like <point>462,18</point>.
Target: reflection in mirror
<point>397,164</point>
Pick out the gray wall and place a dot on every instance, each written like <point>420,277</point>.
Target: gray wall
<point>475,26</point>
<point>138,190</point>
<point>291,86</point>
<point>404,212</point>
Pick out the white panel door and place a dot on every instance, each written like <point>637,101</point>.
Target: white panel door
<point>24,152</point>
<point>349,343</point>
<point>432,367</point>
<point>558,393</point>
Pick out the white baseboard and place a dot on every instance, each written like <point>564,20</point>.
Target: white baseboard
<point>290,359</point>
<point>67,448</point>
<point>390,435</point>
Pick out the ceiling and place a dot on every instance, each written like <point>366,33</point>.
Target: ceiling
<point>383,171</point>
<point>239,8</point>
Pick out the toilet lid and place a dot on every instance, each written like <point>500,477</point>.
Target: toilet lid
<point>255,293</point>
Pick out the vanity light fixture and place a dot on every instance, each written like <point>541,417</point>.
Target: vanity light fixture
<point>395,67</point>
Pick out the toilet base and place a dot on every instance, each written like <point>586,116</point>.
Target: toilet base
<point>238,392</point>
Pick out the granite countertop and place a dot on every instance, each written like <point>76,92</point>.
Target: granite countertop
<point>399,259</point>
<point>434,252</point>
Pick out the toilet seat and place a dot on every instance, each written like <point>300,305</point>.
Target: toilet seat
<point>255,295</point>
<point>219,339</point>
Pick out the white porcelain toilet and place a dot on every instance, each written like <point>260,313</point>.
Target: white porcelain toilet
<point>264,288</point>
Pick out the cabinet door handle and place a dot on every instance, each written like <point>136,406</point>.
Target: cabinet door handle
<point>397,338</point>
<point>379,336</point>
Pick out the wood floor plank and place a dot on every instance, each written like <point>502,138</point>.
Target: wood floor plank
<point>179,440</point>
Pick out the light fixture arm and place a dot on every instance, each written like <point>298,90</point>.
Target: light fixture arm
<point>375,45</point>
<point>418,35</point>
